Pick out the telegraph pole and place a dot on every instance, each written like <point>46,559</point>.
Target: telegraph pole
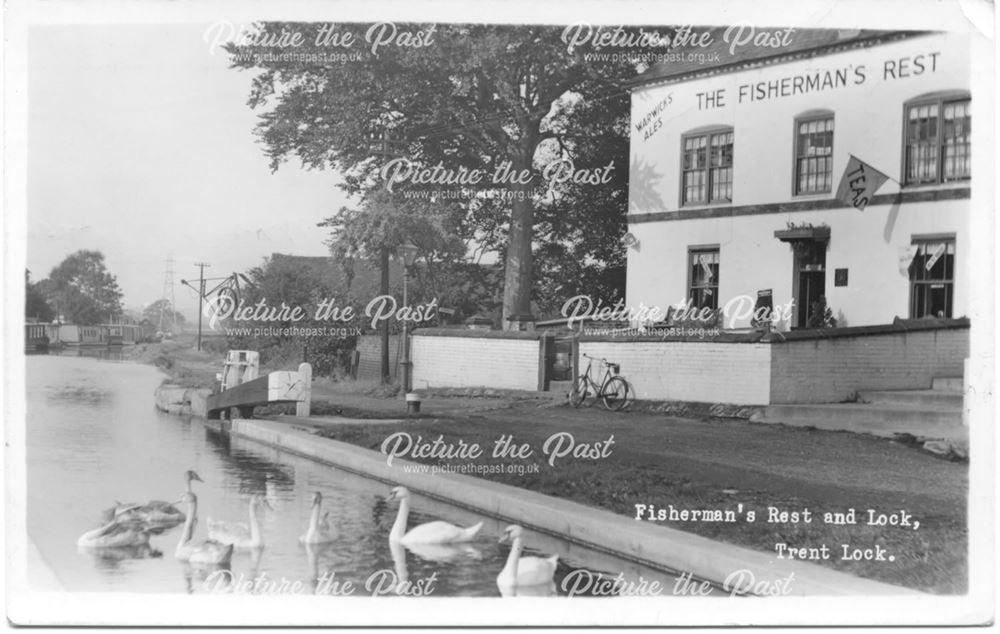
<point>201,295</point>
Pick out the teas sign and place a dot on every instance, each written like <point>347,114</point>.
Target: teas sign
<point>934,257</point>
<point>859,183</point>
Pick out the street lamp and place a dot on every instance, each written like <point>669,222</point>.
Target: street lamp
<point>408,251</point>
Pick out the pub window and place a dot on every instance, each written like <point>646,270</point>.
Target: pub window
<point>938,139</point>
<point>814,154</point>
<point>932,278</point>
<point>703,267</point>
<point>707,167</point>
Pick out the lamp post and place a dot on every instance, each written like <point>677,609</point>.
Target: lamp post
<point>408,251</point>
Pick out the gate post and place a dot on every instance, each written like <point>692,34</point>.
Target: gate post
<point>302,408</point>
<point>546,354</point>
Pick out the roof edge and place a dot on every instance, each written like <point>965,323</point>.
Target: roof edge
<point>884,37</point>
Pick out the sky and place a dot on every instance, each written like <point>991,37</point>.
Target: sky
<point>141,146</point>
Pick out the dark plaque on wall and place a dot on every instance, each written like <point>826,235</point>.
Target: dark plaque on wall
<point>763,308</point>
<point>840,277</point>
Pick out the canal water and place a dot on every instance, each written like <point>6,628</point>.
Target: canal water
<point>94,437</point>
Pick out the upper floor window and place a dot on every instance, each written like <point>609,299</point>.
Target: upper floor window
<point>814,154</point>
<point>707,167</point>
<point>938,139</point>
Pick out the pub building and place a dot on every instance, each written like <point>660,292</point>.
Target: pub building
<point>736,164</point>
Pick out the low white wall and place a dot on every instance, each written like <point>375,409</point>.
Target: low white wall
<point>709,372</point>
<point>464,361</point>
<point>833,370</point>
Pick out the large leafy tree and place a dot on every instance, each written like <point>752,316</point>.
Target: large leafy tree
<point>483,97</point>
<point>579,229</point>
<point>82,290</point>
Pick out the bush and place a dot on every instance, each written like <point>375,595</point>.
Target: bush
<point>820,315</point>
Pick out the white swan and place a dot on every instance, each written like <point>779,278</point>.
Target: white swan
<point>444,553</point>
<point>524,571</point>
<point>320,531</point>
<point>436,532</point>
<point>204,552</point>
<point>238,534</point>
<point>156,512</point>
<point>115,534</point>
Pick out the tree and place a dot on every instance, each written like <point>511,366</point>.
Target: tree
<point>301,283</point>
<point>383,223</point>
<point>35,305</point>
<point>580,228</point>
<point>474,97</point>
<point>162,307</point>
<point>82,290</point>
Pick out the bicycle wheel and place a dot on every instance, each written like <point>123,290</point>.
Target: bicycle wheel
<point>581,390</point>
<point>615,393</point>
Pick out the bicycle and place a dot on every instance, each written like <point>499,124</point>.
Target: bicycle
<point>613,390</point>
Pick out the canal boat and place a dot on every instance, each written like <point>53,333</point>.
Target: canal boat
<point>75,335</point>
<point>36,338</point>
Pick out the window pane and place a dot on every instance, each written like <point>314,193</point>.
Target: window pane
<point>921,144</point>
<point>721,176</point>
<point>919,301</point>
<point>956,141</point>
<point>937,301</point>
<point>695,163</point>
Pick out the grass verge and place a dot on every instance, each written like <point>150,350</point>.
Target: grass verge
<point>931,559</point>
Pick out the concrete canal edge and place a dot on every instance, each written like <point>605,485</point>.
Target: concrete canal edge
<point>185,401</point>
<point>638,541</point>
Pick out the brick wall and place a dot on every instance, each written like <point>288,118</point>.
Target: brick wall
<point>832,370</point>
<point>710,372</point>
<point>369,348</point>
<point>475,361</point>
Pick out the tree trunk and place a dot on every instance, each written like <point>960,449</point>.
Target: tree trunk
<point>518,274</point>
<point>384,290</point>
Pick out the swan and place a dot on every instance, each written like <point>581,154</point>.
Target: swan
<point>204,552</point>
<point>115,534</point>
<point>320,530</point>
<point>436,532</point>
<point>524,571</point>
<point>238,534</point>
<point>444,553</point>
<point>155,512</point>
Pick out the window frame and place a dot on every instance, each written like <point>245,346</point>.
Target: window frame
<point>946,238</point>
<point>693,251</point>
<point>707,132</point>
<point>807,117</point>
<point>940,99</point>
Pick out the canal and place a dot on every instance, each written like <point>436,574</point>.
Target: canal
<point>94,437</point>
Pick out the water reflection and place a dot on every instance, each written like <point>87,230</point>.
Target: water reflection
<point>111,558</point>
<point>113,353</point>
<point>539,590</point>
<point>207,577</point>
